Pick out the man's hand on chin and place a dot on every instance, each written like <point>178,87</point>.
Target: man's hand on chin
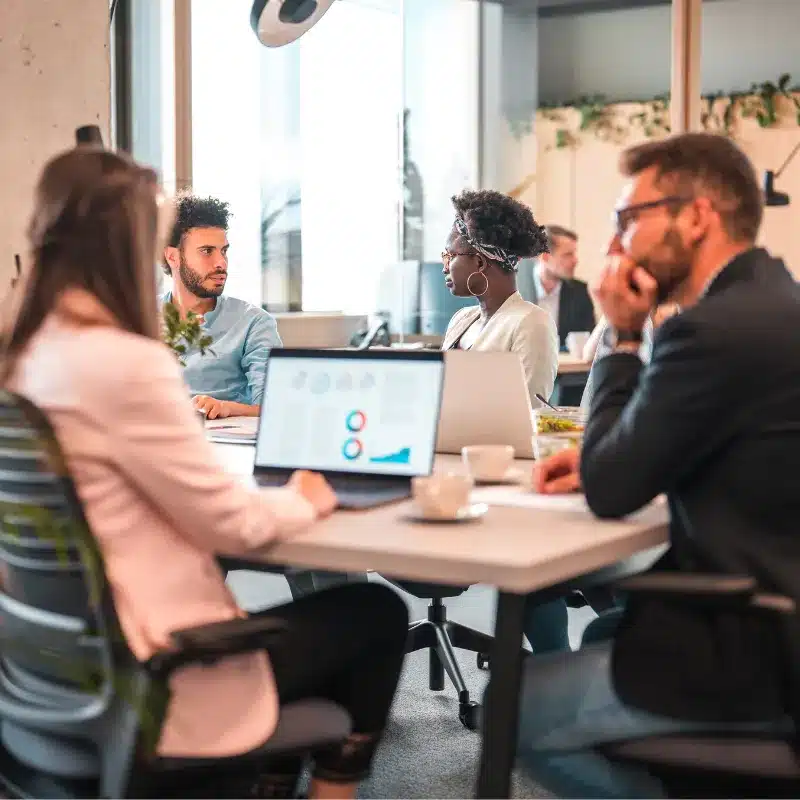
<point>626,293</point>
<point>215,409</point>
<point>559,473</point>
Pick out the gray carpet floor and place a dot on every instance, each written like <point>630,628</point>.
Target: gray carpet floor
<point>426,751</point>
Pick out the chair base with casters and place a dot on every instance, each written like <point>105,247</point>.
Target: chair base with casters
<point>439,636</point>
<point>598,598</point>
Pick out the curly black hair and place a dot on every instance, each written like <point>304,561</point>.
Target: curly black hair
<point>196,212</point>
<point>496,219</point>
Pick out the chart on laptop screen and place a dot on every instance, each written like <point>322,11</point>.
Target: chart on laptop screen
<point>350,415</point>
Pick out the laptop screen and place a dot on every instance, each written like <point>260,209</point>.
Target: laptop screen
<point>346,411</point>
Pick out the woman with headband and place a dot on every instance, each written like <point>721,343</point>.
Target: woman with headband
<point>490,235</point>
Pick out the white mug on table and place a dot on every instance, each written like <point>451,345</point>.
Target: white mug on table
<point>442,495</point>
<point>488,462</point>
<point>576,342</point>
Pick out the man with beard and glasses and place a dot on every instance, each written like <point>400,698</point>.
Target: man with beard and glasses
<point>228,380</point>
<point>713,422</point>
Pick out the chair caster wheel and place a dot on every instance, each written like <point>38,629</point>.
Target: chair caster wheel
<point>470,715</point>
<point>483,661</point>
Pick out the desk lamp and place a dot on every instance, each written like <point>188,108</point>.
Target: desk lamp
<point>88,134</point>
<point>772,197</point>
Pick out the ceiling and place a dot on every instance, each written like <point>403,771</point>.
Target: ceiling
<point>553,8</point>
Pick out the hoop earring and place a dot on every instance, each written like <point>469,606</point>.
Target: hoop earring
<point>486,284</point>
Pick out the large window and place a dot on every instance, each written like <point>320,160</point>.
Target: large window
<point>152,84</point>
<point>304,142</point>
<point>441,68</point>
<point>339,153</point>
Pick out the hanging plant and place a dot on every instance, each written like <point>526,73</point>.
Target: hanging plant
<point>762,102</point>
<point>765,103</point>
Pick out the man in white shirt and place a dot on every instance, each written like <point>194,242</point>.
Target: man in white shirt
<point>555,288</point>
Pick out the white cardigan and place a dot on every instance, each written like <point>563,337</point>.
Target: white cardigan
<point>519,327</point>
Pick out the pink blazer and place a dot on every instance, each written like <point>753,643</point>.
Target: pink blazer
<point>161,506</point>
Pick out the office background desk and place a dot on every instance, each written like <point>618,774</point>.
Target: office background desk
<point>517,549</point>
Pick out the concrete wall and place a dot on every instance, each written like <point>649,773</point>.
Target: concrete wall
<point>54,77</point>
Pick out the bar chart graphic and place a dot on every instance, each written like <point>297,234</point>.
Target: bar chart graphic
<point>402,456</point>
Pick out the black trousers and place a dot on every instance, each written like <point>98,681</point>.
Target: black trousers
<point>345,644</point>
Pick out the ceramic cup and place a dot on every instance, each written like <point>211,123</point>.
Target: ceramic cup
<point>576,341</point>
<point>488,462</point>
<point>441,496</point>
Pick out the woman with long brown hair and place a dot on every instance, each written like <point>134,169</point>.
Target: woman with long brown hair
<point>83,345</point>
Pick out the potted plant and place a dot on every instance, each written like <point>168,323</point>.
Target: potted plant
<point>182,334</point>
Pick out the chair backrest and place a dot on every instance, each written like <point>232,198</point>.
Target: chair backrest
<point>65,670</point>
<point>436,303</point>
<point>398,297</point>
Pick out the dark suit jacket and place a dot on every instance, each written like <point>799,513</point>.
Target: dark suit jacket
<point>575,309</point>
<point>713,421</point>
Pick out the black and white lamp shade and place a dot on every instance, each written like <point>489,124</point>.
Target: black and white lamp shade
<point>280,22</point>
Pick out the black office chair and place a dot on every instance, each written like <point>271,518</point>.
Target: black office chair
<point>439,636</point>
<point>79,715</point>
<point>719,765</point>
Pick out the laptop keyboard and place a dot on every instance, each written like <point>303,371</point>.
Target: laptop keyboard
<point>354,491</point>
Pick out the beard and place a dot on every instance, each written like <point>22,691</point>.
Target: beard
<point>670,264</point>
<point>193,281</point>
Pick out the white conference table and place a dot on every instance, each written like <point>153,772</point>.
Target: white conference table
<point>525,543</point>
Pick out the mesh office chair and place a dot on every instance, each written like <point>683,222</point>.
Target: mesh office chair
<point>721,765</point>
<point>79,715</point>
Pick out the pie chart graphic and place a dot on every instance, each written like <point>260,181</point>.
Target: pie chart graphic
<point>356,421</point>
<point>352,448</point>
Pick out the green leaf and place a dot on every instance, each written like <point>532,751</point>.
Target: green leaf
<point>182,334</point>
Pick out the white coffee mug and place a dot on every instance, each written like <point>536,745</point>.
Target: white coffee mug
<point>488,462</point>
<point>441,496</point>
<point>576,341</point>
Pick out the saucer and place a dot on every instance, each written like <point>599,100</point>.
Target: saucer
<point>513,475</point>
<point>468,513</point>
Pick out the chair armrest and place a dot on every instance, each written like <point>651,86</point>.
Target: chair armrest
<point>207,644</point>
<point>730,591</point>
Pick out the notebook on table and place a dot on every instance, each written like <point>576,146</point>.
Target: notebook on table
<point>236,430</point>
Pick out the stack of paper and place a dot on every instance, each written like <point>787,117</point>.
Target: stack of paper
<point>233,429</point>
<point>523,497</point>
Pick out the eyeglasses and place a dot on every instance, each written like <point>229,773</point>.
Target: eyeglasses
<point>449,255</point>
<point>623,217</point>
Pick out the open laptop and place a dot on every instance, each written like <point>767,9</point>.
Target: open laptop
<point>485,401</point>
<point>365,419</point>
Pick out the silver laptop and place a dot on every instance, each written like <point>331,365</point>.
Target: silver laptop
<point>366,420</point>
<point>485,401</point>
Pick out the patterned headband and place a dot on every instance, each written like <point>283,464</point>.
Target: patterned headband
<point>508,261</point>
